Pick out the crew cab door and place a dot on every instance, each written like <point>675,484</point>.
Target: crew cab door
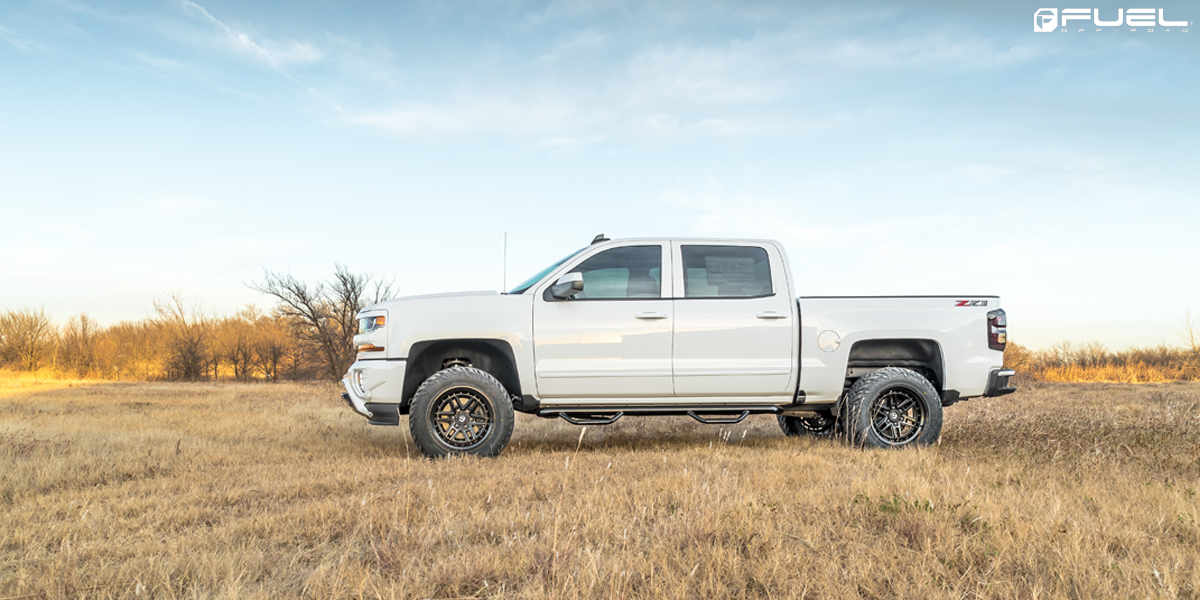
<point>613,339</point>
<point>736,330</point>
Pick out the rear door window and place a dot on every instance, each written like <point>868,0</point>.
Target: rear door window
<point>726,272</point>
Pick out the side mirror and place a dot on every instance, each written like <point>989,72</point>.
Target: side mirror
<point>568,285</point>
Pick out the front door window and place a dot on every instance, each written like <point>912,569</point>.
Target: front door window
<point>629,272</point>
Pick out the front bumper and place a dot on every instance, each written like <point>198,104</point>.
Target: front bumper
<point>355,404</point>
<point>998,383</point>
<point>373,388</point>
<point>376,414</point>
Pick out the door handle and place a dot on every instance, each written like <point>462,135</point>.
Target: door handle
<point>650,316</point>
<point>770,314</point>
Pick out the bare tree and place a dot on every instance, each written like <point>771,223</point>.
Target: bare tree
<point>1190,332</point>
<point>272,345</point>
<point>187,335</point>
<point>324,314</point>
<point>77,344</point>
<point>235,337</point>
<point>27,337</point>
<point>1016,356</point>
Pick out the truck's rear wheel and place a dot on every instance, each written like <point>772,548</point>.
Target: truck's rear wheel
<point>892,408</point>
<point>821,425</point>
<point>461,411</point>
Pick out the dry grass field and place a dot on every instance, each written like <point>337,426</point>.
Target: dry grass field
<point>255,491</point>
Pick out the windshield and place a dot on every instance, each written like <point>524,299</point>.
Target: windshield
<point>528,283</point>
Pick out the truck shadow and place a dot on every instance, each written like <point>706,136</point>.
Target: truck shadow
<point>532,436</point>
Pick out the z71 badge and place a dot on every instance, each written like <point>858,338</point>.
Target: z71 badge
<point>970,302</point>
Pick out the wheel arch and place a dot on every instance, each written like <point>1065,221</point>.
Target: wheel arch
<point>921,355</point>
<point>493,356</point>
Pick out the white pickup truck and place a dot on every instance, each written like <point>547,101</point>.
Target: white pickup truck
<point>709,328</point>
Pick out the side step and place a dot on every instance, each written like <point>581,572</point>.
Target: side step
<point>590,419</point>
<point>606,415</point>
<point>718,420</point>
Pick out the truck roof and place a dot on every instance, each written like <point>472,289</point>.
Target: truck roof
<point>704,240</point>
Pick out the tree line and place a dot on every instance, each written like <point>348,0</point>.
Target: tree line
<point>1092,361</point>
<point>308,334</point>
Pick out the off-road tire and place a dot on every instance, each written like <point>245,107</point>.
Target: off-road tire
<point>824,425</point>
<point>892,408</point>
<point>461,411</point>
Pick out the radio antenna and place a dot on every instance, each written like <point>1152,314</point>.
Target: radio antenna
<point>504,289</point>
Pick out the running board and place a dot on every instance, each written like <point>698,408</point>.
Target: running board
<point>605,415</point>
<point>590,418</point>
<point>718,420</point>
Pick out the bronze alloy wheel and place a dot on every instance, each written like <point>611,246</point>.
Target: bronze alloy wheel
<point>461,411</point>
<point>462,417</point>
<point>892,407</point>
<point>897,416</point>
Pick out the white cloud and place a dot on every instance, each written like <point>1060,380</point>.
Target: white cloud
<point>606,82</point>
<point>159,62</point>
<point>174,68</point>
<point>484,116</point>
<point>276,55</point>
<point>635,71</point>
<point>20,43</point>
<point>923,52</point>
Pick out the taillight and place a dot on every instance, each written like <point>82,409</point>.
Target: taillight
<point>997,329</point>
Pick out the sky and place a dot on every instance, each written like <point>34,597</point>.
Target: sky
<point>184,147</point>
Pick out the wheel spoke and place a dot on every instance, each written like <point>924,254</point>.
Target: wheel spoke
<point>466,404</point>
<point>897,416</point>
<point>816,424</point>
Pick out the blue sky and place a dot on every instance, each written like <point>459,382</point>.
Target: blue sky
<point>895,148</point>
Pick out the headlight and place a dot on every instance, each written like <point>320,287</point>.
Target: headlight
<point>369,324</point>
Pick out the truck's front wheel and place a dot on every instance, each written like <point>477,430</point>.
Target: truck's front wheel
<point>461,411</point>
<point>893,407</point>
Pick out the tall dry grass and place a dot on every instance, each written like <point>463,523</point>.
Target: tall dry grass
<point>1092,362</point>
<point>256,491</point>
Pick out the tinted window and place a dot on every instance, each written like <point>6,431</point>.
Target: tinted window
<point>629,272</point>
<point>520,289</point>
<point>726,272</point>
